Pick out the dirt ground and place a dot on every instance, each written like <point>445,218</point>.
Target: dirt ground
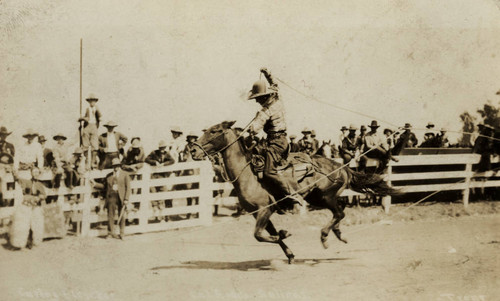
<point>449,258</point>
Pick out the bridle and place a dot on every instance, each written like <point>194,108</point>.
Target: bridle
<point>224,174</point>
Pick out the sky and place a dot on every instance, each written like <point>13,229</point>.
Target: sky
<point>157,64</point>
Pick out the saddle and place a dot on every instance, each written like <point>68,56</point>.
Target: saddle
<point>298,166</point>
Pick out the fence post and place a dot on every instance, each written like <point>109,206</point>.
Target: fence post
<point>466,191</point>
<point>386,200</point>
<point>87,195</point>
<point>206,193</point>
<point>145,196</point>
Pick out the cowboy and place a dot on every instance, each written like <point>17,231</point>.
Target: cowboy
<point>390,137</point>
<point>48,156</point>
<point>429,136</point>
<point>110,144</point>
<point>28,216</point>
<point>315,142</point>
<point>76,168</point>
<point>61,159</point>
<point>6,147</point>
<point>30,154</point>
<point>349,145</point>
<point>294,147</point>
<point>305,142</point>
<point>344,131</point>
<point>483,145</point>
<point>135,157</point>
<point>442,138</point>
<point>91,121</point>
<point>271,119</point>
<point>117,190</point>
<point>160,157</point>
<point>376,147</point>
<point>190,139</point>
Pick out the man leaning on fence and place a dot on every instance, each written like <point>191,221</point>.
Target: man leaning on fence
<point>117,191</point>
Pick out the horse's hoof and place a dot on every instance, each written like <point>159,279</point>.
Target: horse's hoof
<point>284,234</point>
<point>339,236</point>
<point>325,243</point>
<point>291,259</point>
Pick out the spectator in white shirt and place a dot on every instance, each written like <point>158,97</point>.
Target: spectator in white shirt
<point>30,154</point>
<point>109,144</point>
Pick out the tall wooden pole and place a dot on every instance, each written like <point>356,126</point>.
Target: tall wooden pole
<point>81,109</point>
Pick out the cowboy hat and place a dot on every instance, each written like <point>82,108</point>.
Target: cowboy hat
<point>293,136</point>
<point>30,133</point>
<point>176,129</point>
<point>162,143</point>
<point>193,134</point>
<point>388,131</point>
<point>260,88</point>
<point>41,138</point>
<point>59,136</point>
<point>91,97</point>
<point>362,128</point>
<point>374,124</point>
<point>135,142</point>
<point>4,132</point>
<point>407,126</point>
<point>306,130</point>
<point>352,127</point>
<point>111,124</point>
<point>78,151</point>
<point>116,162</point>
<point>344,128</point>
<point>429,125</point>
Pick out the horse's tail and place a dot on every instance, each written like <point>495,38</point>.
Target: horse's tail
<point>370,183</point>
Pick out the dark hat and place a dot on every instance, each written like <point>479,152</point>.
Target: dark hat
<point>306,130</point>
<point>429,125</point>
<point>59,136</point>
<point>388,131</point>
<point>116,162</point>
<point>374,124</point>
<point>293,136</point>
<point>352,127</point>
<point>176,129</point>
<point>41,138</point>
<point>30,133</point>
<point>344,128</point>
<point>3,131</point>
<point>407,126</point>
<point>6,158</point>
<point>91,97</point>
<point>362,128</point>
<point>111,124</point>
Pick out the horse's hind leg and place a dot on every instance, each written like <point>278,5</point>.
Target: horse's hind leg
<point>282,235</point>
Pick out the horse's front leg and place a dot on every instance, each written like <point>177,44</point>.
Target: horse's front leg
<point>262,218</point>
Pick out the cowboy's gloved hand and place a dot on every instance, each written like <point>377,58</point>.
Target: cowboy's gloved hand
<point>264,70</point>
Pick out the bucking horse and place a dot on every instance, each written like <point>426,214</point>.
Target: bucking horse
<point>321,181</point>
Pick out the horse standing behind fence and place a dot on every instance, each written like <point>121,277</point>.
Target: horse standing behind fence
<point>323,189</point>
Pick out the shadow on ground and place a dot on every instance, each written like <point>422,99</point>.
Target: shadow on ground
<point>252,265</point>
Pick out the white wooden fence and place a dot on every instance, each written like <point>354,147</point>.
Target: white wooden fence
<point>174,185</point>
<point>171,186</point>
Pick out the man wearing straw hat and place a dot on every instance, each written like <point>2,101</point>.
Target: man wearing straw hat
<point>135,157</point>
<point>30,154</point>
<point>161,156</point>
<point>177,143</point>
<point>190,139</point>
<point>61,159</point>
<point>117,191</point>
<point>377,148</point>
<point>91,121</point>
<point>109,144</point>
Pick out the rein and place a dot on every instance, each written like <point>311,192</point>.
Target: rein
<point>224,174</point>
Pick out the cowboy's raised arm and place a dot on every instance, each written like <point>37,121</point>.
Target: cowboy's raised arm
<point>269,77</point>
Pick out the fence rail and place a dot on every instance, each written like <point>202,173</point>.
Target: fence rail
<point>184,194</point>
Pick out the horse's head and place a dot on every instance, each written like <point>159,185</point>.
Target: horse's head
<point>213,140</point>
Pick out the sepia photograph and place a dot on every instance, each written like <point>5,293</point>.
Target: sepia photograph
<point>250,150</point>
